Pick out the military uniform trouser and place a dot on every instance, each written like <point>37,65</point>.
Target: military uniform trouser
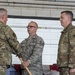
<point>2,70</point>
<point>65,71</point>
<point>33,72</point>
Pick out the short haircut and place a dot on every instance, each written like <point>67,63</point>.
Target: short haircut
<point>2,10</point>
<point>68,13</point>
<point>35,23</point>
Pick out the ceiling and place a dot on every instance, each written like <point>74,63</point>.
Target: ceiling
<point>37,3</point>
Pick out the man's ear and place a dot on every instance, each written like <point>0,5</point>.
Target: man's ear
<point>2,16</point>
<point>69,18</point>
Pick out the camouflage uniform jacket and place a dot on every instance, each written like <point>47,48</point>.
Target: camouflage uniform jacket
<point>8,44</point>
<point>66,47</point>
<point>32,51</point>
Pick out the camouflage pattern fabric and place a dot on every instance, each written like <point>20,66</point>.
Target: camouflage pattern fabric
<point>8,44</point>
<point>33,72</point>
<point>2,70</point>
<point>66,48</point>
<point>65,71</point>
<point>32,51</point>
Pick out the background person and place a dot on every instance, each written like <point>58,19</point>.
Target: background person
<point>32,48</point>
<point>66,47</point>
<point>8,42</point>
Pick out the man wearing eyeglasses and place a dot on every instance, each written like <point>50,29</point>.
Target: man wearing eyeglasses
<point>32,48</point>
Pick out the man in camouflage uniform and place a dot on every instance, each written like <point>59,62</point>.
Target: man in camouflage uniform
<point>66,47</point>
<point>32,48</point>
<point>8,42</point>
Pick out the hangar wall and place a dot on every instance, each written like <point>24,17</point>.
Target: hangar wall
<point>36,7</point>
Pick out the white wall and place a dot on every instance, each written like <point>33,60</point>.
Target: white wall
<point>49,30</point>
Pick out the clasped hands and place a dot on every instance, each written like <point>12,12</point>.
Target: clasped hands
<point>25,64</point>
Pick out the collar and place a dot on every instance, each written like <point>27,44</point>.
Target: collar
<point>67,28</point>
<point>32,36</point>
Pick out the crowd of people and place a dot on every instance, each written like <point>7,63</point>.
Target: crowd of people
<point>30,49</point>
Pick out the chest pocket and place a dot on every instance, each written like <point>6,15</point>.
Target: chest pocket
<point>32,45</point>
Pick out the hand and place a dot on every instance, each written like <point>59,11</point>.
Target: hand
<point>25,64</point>
<point>72,70</point>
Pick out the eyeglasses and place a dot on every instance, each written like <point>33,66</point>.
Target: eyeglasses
<point>31,27</point>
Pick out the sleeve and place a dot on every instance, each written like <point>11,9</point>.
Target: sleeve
<point>23,46</point>
<point>72,48</point>
<point>12,40</point>
<point>37,53</point>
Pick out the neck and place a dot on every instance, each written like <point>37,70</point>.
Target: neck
<point>32,34</point>
<point>67,25</point>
